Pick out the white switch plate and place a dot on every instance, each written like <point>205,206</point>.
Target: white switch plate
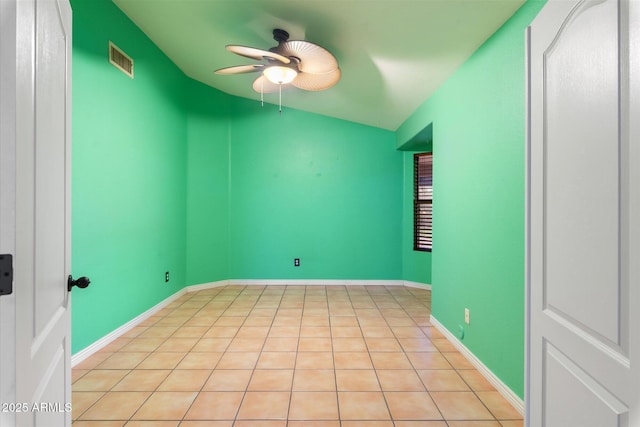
<point>466,316</point>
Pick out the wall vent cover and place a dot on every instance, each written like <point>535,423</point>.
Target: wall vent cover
<point>120,60</point>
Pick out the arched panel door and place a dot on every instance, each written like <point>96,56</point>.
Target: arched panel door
<point>583,215</point>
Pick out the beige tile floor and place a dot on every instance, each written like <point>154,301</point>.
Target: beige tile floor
<point>287,356</point>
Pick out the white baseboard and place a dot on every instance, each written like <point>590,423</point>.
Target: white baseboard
<point>318,282</point>
<point>110,337</point>
<point>203,286</point>
<point>417,285</point>
<point>501,387</point>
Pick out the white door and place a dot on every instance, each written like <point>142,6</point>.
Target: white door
<point>7,203</point>
<point>42,129</point>
<point>583,215</point>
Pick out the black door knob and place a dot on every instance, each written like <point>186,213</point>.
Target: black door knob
<point>82,282</point>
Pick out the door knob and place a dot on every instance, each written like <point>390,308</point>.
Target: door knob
<point>82,282</point>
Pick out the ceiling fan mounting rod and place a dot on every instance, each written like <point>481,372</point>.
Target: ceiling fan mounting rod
<point>280,35</point>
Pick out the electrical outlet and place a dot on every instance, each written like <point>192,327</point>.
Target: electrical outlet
<point>466,316</point>
<point>296,262</point>
<point>166,277</point>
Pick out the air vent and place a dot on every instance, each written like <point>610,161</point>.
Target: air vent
<point>120,60</point>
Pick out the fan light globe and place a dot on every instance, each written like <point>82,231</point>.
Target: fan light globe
<point>280,75</point>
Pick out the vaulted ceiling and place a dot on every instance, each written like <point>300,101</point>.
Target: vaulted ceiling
<point>393,54</point>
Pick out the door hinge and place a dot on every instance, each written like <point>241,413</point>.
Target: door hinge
<point>6,274</point>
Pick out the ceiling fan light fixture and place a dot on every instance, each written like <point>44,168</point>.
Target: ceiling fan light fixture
<point>280,75</point>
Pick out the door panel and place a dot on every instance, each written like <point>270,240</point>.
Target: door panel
<point>43,143</point>
<point>582,172</point>
<point>56,412</point>
<point>580,238</point>
<point>591,405</point>
<point>50,150</point>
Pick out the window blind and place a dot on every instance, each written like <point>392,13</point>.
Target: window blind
<point>423,202</point>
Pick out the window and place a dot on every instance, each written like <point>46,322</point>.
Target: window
<point>422,201</point>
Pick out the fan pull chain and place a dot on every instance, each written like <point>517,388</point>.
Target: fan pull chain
<point>280,103</point>
<point>261,92</point>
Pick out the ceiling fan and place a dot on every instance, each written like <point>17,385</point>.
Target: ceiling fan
<point>300,63</point>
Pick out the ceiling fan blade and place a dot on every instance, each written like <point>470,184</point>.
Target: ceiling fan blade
<point>264,85</point>
<point>241,69</point>
<point>313,58</point>
<point>259,54</point>
<point>316,82</point>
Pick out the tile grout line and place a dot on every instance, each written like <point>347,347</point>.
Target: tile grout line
<point>333,353</point>
<point>462,378</point>
<point>174,368</point>
<point>111,388</point>
<point>375,370</point>
<point>414,369</point>
<point>213,370</point>
<point>309,302</point>
<point>244,395</point>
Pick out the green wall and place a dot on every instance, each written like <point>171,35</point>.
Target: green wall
<point>478,118</point>
<point>172,175</point>
<point>128,174</point>
<point>306,186</point>
<point>208,142</point>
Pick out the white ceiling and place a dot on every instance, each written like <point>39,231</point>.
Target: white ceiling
<point>393,54</point>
